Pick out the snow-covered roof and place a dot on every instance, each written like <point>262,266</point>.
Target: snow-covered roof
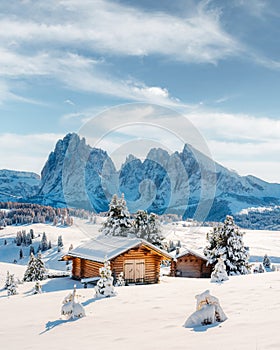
<point>191,252</point>
<point>110,247</point>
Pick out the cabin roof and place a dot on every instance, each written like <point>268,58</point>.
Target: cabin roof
<point>191,252</point>
<point>108,247</point>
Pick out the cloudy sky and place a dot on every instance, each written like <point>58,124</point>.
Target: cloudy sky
<point>216,62</point>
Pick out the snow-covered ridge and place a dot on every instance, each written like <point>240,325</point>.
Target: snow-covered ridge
<point>78,175</point>
<point>17,184</point>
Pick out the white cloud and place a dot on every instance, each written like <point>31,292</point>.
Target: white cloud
<point>26,152</point>
<point>105,26</point>
<point>245,143</point>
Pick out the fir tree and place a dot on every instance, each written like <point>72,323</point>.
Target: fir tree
<point>105,287</point>
<point>59,241</point>
<point>12,288</point>
<point>118,222</point>
<point>226,241</point>
<point>8,280</point>
<point>19,239</point>
<point>219,274</point>
<point>21,254</point>
<point>31,250</point>
<point>147,226</point>
<point>37,288</point>
<point>32,233</point>
<point>50,245</point>
<point>266,262</point>
<point>44,242</point>
<point>36,270</point>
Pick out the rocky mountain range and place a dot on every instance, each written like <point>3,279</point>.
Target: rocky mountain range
<point>187,183</point>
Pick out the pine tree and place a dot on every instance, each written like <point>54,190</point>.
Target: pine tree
<point>105,287</point>
<point>12,288</point>
<point>155,235</point>
<point>226,241</point>
<point>19,239</point>
<point>44,242</point>
<point>50,245</point>
<point>37,288</point>
<point>36,270</point>
<point>8,280</point>
<point>21,254</point>
<point>219,274</point>
<point>118,222</point>
<point>59,241</point>
<point>32,233</point>
<point>266,262</point>
<point>147,226</point>
<point>31,250</point>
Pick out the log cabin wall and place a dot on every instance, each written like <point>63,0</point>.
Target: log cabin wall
<point>152,263</point>
<point>83,268</point>
<point>192,266</point>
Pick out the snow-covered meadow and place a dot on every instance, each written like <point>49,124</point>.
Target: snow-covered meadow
<point>140,317</point>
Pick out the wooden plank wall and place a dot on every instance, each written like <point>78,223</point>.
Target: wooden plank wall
<point>83,268</point>
<point>152,263</point>
<point>192,266</point>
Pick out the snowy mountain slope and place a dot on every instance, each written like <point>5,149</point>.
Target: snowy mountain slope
<point>159,311</point>
<point>15,185</point>
<point>144,317</point>
<point>183,182</point>
<point>187,183</point>
<point>72,175</point>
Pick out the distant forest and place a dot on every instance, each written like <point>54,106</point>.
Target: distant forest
<point>14,213</point>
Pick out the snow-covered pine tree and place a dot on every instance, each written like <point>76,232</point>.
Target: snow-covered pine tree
<point>147,226</point>
<point>118,222</point>
<point>120,280</point>
<point>226,241</point>
<point>155,236</point>
<point>36,270</point>
<point>266,262</point>
<point>105,287</point>
<point>219,274</point>
<point>37,288</point>
<point>8,280</point>
<point>44,242</point>
<point>41,269</point>
<point>31,250</point>
<point>59,241</point>
<point>12,288</point>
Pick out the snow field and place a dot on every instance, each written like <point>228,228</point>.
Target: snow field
<point>146,317</point>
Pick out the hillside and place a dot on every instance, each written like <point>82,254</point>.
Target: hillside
<point>158,311</point>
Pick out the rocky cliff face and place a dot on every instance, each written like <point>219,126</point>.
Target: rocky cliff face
<point>73,175</point>
<point>15,185</point>
<point>186,182</point>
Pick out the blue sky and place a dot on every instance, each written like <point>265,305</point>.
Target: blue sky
<point>216,62</point>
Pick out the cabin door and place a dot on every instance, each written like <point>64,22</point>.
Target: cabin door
<point>134,270</point>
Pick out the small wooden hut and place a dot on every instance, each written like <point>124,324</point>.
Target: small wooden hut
<point>139,260</point>
<point>191,264</point>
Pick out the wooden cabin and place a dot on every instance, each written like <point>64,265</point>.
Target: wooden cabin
<point>191,264</point>
<point>139,260</point>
